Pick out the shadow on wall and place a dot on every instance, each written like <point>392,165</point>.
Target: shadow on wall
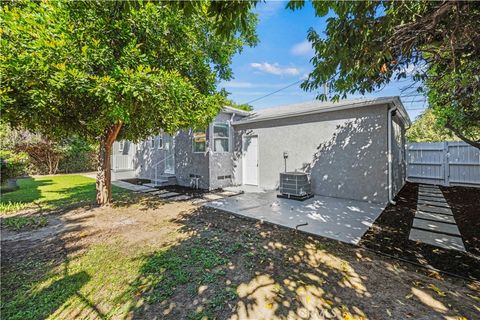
<point>146,158</point>
<point>352,164</point>
<point>188,163</point>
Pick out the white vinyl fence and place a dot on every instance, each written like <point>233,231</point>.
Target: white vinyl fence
<point>122,162</point>
<point>443,163</point>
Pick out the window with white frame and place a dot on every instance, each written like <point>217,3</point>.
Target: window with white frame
<point>160,142</point>
<point>120,145</point>
<point>221,137</point>
<point>199,141</point>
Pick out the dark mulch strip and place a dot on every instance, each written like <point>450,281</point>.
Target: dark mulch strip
<point>389,234</point>
<point>465,204</point>
<point>136,181</point>
<point>197,193</point>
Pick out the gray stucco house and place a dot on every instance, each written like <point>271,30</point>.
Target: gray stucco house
<point>353,149</point>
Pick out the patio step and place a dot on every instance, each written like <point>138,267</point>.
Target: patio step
<point>162,181</point>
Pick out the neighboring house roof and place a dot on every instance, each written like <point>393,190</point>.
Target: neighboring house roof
<point>227,109</point>
<point>313,107</point>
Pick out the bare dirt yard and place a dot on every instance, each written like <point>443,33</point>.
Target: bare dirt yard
<point>149,259</point>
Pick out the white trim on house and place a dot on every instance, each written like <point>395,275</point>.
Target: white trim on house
<point>244,159</point>
<point>193,141</point>
<point>227,109</point>
<point>228,138</point>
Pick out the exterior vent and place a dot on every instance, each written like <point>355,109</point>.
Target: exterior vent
<point>295,185</point>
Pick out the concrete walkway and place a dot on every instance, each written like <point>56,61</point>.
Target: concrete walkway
<point>434,223</point>
<point>335,218</point>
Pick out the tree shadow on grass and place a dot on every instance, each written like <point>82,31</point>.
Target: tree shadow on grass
<point>41,304</point>
<point>232,268</point>
<point>28,191</point>
<point>30,261</point>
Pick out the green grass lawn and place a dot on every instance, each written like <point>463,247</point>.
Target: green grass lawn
<point>50,192</point>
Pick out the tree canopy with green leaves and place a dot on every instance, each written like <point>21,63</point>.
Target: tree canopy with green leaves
<point>367,44</point>
<point>117,69</point>
<point>426,128</point>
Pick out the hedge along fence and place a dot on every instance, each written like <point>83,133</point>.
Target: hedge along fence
<point>45,156</point>
<point>83,161</point>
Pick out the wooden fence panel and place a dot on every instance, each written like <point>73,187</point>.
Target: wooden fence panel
<point>443,163</point>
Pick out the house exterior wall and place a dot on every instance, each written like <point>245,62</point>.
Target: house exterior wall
<point>216,170</point>
<point>224,166</point>
<point>344,151</point>
<point>398,154</point>
<point>188,163</point>
<point>146,158</point>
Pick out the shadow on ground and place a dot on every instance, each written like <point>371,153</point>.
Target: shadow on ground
<point>230,268</point>
<point>206,263</point>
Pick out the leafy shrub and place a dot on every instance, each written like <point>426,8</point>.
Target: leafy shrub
<point>12,164</point>
<point>45,156</point>
<point>19,223</point>
<point>79,156</point>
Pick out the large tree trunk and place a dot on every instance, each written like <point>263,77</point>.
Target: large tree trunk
<point>104,182</point>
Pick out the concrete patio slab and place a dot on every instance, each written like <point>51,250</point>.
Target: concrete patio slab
<point>433,203</point>
<point>423,207</point>
<point>438,240</point>
<point>335,218</point>
<point>132,187</point>
<point>168,195</point>
<point>181,197</point>
<point>436,226</point>
<point>229,193</point>
<point>435,199</point>
<point>156,193</point>
<point>435,216</point>
<point>213,196</point>
<point>430,194</point>
<point>431,190</point>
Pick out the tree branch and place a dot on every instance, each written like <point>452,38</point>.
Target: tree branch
<point>473,143</point>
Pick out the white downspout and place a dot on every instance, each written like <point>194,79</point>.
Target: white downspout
<point>389,154</point>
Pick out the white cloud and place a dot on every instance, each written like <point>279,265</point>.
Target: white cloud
<point>238,84</point>
<point>275,69</point>
<point>303,48</point>
<point>268,9</point>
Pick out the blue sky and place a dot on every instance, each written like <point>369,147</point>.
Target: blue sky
<point>282,58</point>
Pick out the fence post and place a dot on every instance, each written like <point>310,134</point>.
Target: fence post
<point>446,164</point>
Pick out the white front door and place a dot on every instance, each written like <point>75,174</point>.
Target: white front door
<point>250,160</point>
<point>169,154</point>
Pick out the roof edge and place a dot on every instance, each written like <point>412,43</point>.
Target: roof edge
<point>228,109</point>
<point>394,100</point>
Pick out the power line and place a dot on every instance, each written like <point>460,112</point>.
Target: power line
<point>269,94</point>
